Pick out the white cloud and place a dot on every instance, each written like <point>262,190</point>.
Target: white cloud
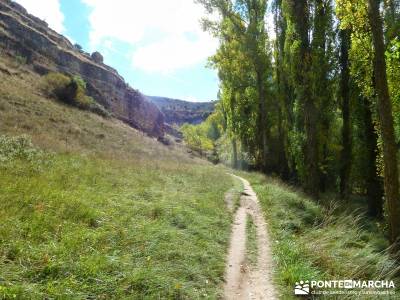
<point>48,10</point>
<point>173,52</point>
<point>166,35</point>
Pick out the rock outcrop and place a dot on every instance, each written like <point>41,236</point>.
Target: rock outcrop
<point>97,57</point>
<point>179,112</point>
<point>24,35</point>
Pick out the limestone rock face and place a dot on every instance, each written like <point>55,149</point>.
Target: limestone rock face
<point>25,35</point>
<point>97,57</point>
<point>180,112</point>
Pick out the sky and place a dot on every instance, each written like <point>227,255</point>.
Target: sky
<point>158,46</point>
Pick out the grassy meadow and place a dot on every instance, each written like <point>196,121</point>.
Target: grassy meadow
<point>93,209</point>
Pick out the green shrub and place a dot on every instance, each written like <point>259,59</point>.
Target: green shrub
<point>54,83</point>
<point>196,137</point>
<point>88,103</point>
<point>21,60</point>
<point>99,110</point>
<point>80,82</point>
<point>84,102</point>
<point>71,91</point>
<point>78,47</point>
<point>19,147</point>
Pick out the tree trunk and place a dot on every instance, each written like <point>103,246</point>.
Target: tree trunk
<point>263,120</point>
<point>346,130</point>
<point>373,183</point>
<point>312,176</point>
<point>321,83</point>
<point>283,166</point>
<point>300,14</point>
<point>391,180</point>
<point>234,154</point>
<point>232,104</point>
<point>284,93</point>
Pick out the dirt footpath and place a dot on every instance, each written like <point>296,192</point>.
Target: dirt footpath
<point>243,281</point>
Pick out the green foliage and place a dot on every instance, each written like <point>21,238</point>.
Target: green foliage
<point>353,15</point>
<point>54,83</point>
<point>393,71</point>
<point>21,60</point>
<point>203,137</point>
<point>296,140</point>
<point>80,82</point>
<point>196,137</point>
<point>215,125</point>
<point>19,147</point>
<point>244,66</point>
<point>72,90</point>
<point>297,131</point>
<point>78,47</point>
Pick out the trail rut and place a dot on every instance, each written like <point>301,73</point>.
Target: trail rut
<point>243,281</point>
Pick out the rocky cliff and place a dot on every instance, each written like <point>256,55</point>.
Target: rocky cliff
<point>24,35</point>
<point>179,112</point>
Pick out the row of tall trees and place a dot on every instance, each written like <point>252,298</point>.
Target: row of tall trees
<point>314,100</point>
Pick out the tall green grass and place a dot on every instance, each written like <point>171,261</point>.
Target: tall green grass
<point>102,211</point>
<point>80,227</point>
<point>321,241</point>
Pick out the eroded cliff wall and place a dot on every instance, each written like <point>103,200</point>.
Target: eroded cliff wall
<point>27,36</point>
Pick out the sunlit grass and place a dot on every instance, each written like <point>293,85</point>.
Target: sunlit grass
<point>88,227</point>
<point>314,241</point>
<point>103,212</point>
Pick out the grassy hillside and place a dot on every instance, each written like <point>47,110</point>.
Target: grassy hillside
<point>94,209</point>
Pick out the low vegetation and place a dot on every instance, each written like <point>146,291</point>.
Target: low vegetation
<point>321,241</point>
<point>202,138</point>
<point>196,137</point>
<point>72,91</point>
<point>91,208</point>
<point>85,227</point>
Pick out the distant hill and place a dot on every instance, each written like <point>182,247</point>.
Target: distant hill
<point>179,112</point>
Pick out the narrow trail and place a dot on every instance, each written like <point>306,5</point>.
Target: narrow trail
<point>244,281</point>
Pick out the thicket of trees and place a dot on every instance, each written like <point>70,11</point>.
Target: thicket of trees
<point>319,103</point>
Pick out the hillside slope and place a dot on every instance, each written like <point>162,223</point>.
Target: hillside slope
<point>28,38</point>
<point>96,209</point>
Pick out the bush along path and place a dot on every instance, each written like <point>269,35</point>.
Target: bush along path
<point>243,279</point>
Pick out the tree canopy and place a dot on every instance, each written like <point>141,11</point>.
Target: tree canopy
<point>316,102</point>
